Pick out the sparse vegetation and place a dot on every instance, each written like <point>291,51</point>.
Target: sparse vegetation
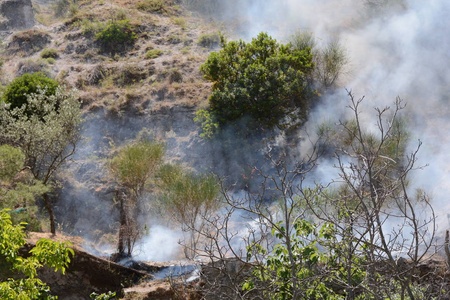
<point>330,60</point>
<point>175,75</point>
<point>153,53</point>
<point>33,65</point>
<point>179,22</point>
<point>116,35</point>
<point>189,198</point>
<point>210,40</point>
<point>64,8</point>
<point>49,53</point>
<point>159,6</point>
<point>266,228</point>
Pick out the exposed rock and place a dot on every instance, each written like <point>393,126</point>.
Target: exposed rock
<point>16,14</point>
<point>29,41</point>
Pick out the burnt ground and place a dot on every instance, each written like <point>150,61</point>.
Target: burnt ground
<point>88,273</point>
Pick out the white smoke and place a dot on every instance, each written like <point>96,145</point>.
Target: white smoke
<point>161,244</point>
<point>399,50</point>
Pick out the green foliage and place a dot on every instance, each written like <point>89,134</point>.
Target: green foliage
<point>88,26</point>
<point>330,60</point>
<point>19,89</point>
<point>153,53</point>
<point>180,22</point>
<point>48,137</point>
<point>104,296</point>
<point>184,193</point>
<point>153,5</point>
<point>18,193</point>
<point>207,123</point>
<point>49,53</point>
<point>56,255</point>
<point>302,271</point>
<point>116,33</point>
<point>62,8</point>
<point>263,81</point>
<point>209,40</point>
<point>135,163</point>
<point>11,162</point>
<point>188,197</point>
<point>50,60</point>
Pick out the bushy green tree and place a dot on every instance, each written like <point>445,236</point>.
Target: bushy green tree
<point>17,92</point>
<point>263,81</point>
<point>55,255</point>
<point>48,137</point>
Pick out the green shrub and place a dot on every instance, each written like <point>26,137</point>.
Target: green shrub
<point>180,22</point>
<point>88,26</point>
<point>152,5</point>
<point>210,40</point>
<point>62,8</point>
<point>16,92</point>
<point>262,82</point>
<point>49,53</point>
<point>153,53</point>
<point>116,33</point>
<point>50,60</point>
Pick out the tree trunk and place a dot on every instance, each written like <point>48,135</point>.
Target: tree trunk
<point>122,227</point>
<point>49,208</point>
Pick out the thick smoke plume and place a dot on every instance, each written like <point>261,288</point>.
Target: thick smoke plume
<point>396,49</point>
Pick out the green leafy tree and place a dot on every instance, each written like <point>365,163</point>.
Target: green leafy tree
<point>263,81</point>
<point>47,138</point>
<point>17,92</point>
<point>133,166</point>
<point>188,197</point>
<point>19,188</point>
<point>55,255</point>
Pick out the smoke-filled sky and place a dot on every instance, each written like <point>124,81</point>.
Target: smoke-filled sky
<point>399,48</point>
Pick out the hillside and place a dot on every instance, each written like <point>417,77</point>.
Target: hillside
<point>317,167</point>
<point>151,85</point>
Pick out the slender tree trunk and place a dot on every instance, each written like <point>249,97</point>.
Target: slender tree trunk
<point>49,208</point>
<point>123,220</point>
<point>446,248</point>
